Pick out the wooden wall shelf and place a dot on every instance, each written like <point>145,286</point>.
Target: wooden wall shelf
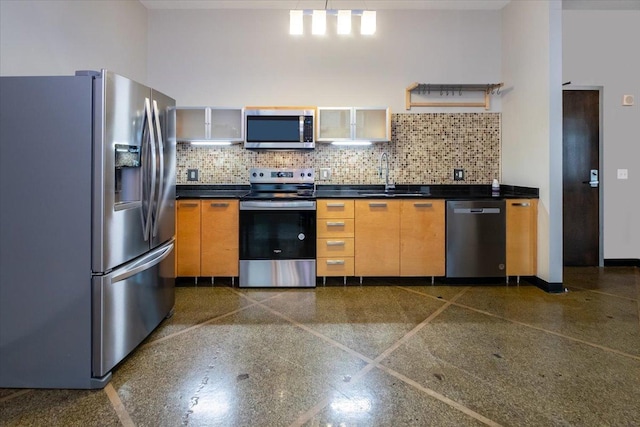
<point>448,89</point>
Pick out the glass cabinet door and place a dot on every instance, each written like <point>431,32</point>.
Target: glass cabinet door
<point>226,124</point>
<point>334,124</point>
<point>191,124</point>
<point>372,124</point>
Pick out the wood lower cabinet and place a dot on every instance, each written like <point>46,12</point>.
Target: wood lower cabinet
<point>335,242</point>
<point>188,238</point>
<point>377,237</point>
<point>522,220</point>
<point>219,245</point>
<point>422,238</point>
<point>207,238</point>
<point>406,237</point>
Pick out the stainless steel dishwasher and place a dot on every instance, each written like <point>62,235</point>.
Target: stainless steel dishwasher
<point>476,238</point>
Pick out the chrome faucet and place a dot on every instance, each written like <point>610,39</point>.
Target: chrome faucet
<point>385,157</point>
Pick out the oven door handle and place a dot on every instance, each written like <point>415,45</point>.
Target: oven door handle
<point>264,205</point>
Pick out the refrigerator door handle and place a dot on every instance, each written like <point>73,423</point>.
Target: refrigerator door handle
<point>161,172</point>
<point>152,147</point>
<point>152,258</point>
<point>144,148</point>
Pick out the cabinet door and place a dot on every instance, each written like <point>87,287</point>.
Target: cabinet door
<point>192,123</point>
<point>377,237</point>
<point>334,124</point>
<point>522,220</point>
<point>226,124</point>
<point>372,124</point>
<point>219,236</point>
<point>422,238</point>
<point>188,238</point>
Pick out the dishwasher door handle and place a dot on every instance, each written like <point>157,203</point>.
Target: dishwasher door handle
<point>476,211</point>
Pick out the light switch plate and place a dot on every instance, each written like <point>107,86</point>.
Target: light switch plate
<point>192,174</point>
<point>623,174</point>
<point>325,174</point>
<point>458,174</point>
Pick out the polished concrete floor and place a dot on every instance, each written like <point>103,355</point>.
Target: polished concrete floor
<point>399,353</point>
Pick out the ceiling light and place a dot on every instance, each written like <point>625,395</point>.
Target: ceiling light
<point>295,22</point>
<point>319,22</point>
<point>344,22</point>
<point>210,143</point>
<point>368,22</point>
<point>351,143</point>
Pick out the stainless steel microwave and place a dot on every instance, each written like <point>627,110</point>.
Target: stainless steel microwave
<point>280,128</point>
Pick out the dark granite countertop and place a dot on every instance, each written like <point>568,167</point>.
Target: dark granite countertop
<point>434,191</point>
<point>211,191</point>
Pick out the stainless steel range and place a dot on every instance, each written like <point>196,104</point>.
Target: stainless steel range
<point>278,229</point>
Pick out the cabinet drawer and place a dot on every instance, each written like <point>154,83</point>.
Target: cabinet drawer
<point>334,208</point>
<point>335,266</point>
<point>335,247</point>
<point>338,227</point>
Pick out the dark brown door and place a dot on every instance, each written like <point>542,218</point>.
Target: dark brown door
<point>581,137</point>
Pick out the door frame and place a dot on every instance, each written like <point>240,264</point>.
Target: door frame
<point>600,90</point>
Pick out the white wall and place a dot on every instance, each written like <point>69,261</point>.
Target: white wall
<point>532,118</point>
<point>60,37</point>
<point>600,48</point>
<point>246,57</point>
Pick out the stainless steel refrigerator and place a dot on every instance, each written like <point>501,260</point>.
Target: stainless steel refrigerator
<point>87,225</point>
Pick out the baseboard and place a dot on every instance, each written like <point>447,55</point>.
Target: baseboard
<point>622,262</point>
<point>552,288</point>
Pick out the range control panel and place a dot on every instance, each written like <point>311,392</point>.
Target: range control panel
<point>281,175</point>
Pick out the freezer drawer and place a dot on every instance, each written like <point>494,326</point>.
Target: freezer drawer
<point>128,304</point>
<point>476,239</point>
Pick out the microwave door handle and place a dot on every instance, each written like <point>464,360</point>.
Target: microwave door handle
<point>152,148</point>
<point>301,128</point>
<point>160,174</point>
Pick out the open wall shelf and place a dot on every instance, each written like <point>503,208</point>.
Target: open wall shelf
<point>448,89</point>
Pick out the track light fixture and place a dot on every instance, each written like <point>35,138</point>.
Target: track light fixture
<point>319,21</point>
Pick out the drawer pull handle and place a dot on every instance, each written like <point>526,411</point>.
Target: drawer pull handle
<point>524,205</point>
<point>335,262</point>
<point>219,205</point>
<point>189,205</point>
<point>377,205</point>
<point>335,243</point>
<point>335,205</point>
<point>335,224</point>
<point>423,205</point>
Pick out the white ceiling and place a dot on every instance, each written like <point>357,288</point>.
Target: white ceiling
<point>331,4</point>
<point>378,4</point>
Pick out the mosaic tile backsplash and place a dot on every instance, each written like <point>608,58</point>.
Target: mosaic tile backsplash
<point>424,149</point>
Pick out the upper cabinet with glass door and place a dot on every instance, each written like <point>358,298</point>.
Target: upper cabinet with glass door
<point>209,124</point>
<point>344,124</point>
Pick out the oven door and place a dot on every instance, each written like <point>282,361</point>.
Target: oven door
<point>276,230</point>
<point>277,243</point>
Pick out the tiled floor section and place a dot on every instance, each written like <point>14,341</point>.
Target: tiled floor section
<point>394,354</point>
